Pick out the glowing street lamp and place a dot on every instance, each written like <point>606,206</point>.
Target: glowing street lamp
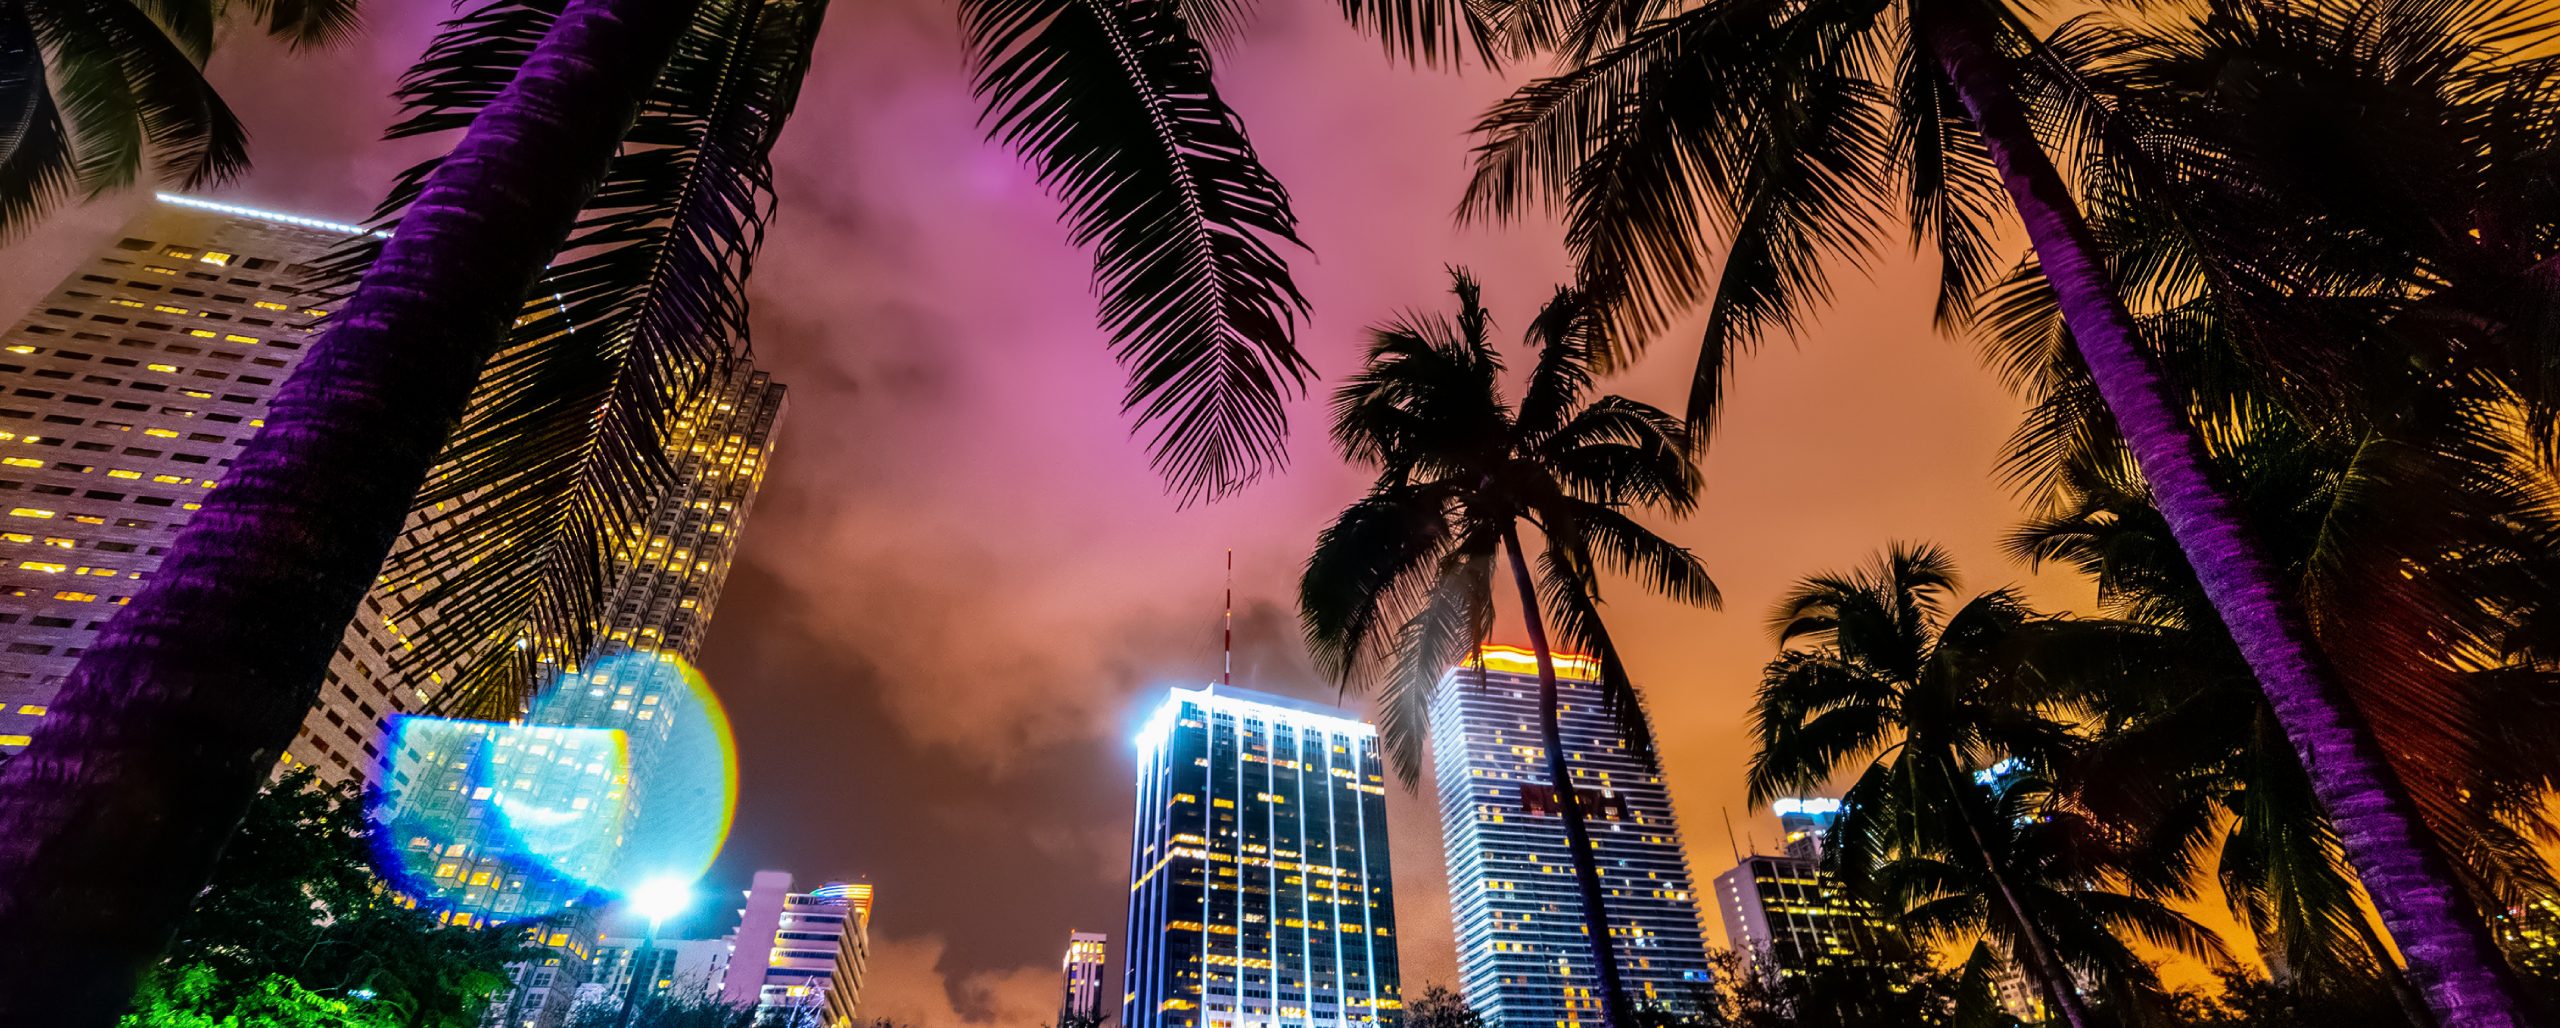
<point>657,900</point>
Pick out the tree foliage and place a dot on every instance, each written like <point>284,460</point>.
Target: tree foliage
<point>295,929</point>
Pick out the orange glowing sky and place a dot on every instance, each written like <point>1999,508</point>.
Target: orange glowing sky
<point>962,586</point>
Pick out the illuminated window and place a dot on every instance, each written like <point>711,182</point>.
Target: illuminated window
<point>201,333</point>
<point>14,740</point>
<point>22,348</point>
<point>168,479</point>
<point>44,566</point>
<point>32,710</point>
<point>122,473</point>
<point>161,433</point>
<point>29,512</point>
<point>239,339</point>
<point>170,368</point>
<point>21,462</point>
<point>270,305</point>
<point>69,596</point>
<point>216,258</point>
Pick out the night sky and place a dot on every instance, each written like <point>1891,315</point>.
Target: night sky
<point>962,587</point>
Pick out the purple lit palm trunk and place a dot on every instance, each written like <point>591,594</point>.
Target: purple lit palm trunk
<point>110,822</point>
<point>2452,961</point>
<point>1577,834</point>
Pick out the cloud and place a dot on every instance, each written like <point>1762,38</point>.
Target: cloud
<point>908,984</point>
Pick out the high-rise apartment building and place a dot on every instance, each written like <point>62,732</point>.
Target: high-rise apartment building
<point>1259,886</point>
<point>1784,914</point>
<point>799,957</point>
<point>1081,974</point>
<point>123,396</point>
<point>1523,957</point>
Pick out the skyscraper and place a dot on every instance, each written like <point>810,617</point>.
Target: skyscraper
<point>1259,892</point>
<point>667,578</point>
<point>123,395</point>
<point>1523,959</point>
<point>1784,914</point>
<point>1081,972</point>
<point>624,703</point>
<point>799,957</point>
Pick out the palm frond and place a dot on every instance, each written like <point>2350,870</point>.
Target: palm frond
<point>1450,623</point>
<point>1114,105</point>
<point>564,447</point>
<point>1429,31</point>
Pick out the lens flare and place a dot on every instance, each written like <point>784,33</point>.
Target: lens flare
<point>624,772</point>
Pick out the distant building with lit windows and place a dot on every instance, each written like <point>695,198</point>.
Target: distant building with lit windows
<point>1259,885</point>
<point>799,957</point>
<point>123,397</point>
<point>1081,975</point>
<point>1523,958</point>
<point>1784,914</point>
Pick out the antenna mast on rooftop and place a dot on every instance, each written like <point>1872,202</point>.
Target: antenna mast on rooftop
<point>1227,671</point>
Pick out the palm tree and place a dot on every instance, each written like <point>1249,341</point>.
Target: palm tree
<point>1878,670</point>
<point>95,92</point>
<point>2029,871</point>
<point>1401,588</point>
<point>175,714</point>
<point>1793,127</point>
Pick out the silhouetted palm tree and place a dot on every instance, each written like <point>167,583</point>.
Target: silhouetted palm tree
<point>95,93</point>
<point>1792,129</point>
<point>2016,866</point>
<point>1400,588</point>
<point>1879,671</point>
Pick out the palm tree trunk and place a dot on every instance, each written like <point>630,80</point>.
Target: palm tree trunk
<point>110,822</point>
<point>2451,957</point>
<point>2413,1009</point>
<point>2055,978</point>
<point>1577,833</point>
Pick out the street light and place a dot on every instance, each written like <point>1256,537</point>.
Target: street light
<point>657,900</point>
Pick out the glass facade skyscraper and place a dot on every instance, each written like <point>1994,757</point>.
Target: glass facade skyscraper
<point>1784,914</point>
<point>1523,960</point>
<point>1259,892</point>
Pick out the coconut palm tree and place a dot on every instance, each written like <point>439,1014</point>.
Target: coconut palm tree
<point>1789,130</point>
<point>178,710</point>
<point>1877,670</point>
<point>2018,868</point>
<point>96,93</point>
<point>1401,586</point>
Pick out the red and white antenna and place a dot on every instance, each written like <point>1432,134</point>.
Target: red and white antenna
<point>1227,673</point>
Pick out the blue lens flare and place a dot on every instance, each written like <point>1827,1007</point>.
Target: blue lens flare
<point>623,772</point>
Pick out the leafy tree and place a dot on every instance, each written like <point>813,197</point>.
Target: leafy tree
<point>1790,130</point>
<point>101,92</point>
<point>1401,586</point>
<point>680,1011</point>
<point>294,928</point>
<point>1439,1006</point>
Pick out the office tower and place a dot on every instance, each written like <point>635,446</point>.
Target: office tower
<point>1522,955</point>
<point>123,396</point>
<point>1784,914</point>
<point>799,956</point>
<point>1259,890</point>
<point>1081,973</point>
<point>667,579</point>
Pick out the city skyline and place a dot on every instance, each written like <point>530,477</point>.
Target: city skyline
<point>973,421</point>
